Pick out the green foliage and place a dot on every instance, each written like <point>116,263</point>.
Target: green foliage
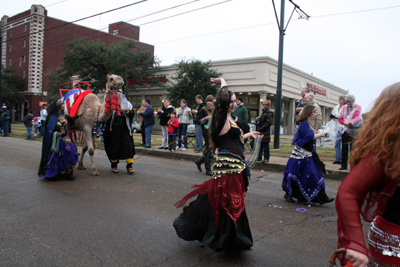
<point>192,78</point>
<point>11,85</point>
<point>93,60</point>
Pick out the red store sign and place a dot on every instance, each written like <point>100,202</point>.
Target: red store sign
<point>316,89</point>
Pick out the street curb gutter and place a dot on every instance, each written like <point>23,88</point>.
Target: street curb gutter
<point>275,167</point>
<point>332,174</point>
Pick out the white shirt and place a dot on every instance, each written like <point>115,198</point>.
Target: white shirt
<point>43,114</point>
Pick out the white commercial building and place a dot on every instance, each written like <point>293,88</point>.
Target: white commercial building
<point>254,79</point>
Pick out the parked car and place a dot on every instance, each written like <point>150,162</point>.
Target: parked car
<point>136,127</point>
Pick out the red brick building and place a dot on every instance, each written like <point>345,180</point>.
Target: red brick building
<point>34,44</point>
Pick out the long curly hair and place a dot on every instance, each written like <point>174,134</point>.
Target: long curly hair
<point>219,115</point>
<point>381,131</point>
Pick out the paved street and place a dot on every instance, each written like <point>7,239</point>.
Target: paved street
<point>122,220</point>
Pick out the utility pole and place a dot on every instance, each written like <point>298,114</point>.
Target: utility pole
<point>282,30</point>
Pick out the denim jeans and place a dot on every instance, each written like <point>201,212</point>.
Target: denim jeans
<point>29,130</point>
<point>338,146</point>
<point>5,128</point>
<point>148,130</point>
<point>199,137</point>
<point>182,131</point>
<point>42,128</point>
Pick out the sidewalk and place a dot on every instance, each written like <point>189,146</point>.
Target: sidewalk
<point>275,164</point>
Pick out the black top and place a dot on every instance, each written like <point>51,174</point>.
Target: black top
<point>391,212</point>
<point>164,117</point>
<point>196,120</point>
<point>231,140</point>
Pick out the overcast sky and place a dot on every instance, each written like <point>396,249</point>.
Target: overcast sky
<point>352,44</point>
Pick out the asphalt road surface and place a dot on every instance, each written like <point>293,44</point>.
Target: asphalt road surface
<point>123,220</point>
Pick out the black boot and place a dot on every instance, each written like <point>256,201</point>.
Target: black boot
<point>198,162</point>
<point>207,163</point>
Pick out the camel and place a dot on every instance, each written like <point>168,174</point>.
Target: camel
<point>90,107</point>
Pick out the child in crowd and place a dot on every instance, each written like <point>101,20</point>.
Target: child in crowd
<point>36,125</point>
<point>173,126</point>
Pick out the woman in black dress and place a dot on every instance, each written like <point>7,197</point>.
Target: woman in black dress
<point>217,218</point>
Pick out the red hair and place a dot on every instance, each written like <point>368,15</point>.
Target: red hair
<point>380,134</point>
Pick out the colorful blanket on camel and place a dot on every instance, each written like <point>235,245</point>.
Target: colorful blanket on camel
<point>73,100</point>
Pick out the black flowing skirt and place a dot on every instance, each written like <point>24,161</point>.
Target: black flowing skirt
<point>197,223</point>
<point>118,142</point>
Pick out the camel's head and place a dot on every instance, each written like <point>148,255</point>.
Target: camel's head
<point>114,83</point>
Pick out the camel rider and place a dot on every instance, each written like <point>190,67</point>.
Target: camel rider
<point>118,140</point>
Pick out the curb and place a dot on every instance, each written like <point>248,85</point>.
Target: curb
<point>276,167</point>
<point>270,166</point>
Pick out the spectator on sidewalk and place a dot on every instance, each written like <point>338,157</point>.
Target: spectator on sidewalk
<point>184,115</point>
<point>204,117</point>
<point>264,127</point>
<point>316,121</point>
<point>141,123</point>
<point>148,121</point>
<point>5,118</point>
<point>164,115</point>
<point>351,118</point>
<point>301,104</point>
<point>240,110</point>
<point>173,125</point>
<point>335,118</point>
<point>198,128</point>
<point>28,124</point>
<point>43,117</point>
<point>36,125</point>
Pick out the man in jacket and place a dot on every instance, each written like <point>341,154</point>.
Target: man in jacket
<point>28,124</point>
<point>264,127</point>
<point>148,120</point>
<point>204,117</point>
<point>5,118</point>
<point>240,110</point>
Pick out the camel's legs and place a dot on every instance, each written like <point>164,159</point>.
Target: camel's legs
<point>89,147</point>
<point>80,161</point>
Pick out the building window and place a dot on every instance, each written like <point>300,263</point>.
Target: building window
<point>23,74</point>
<point>23,59</point>
<point>115,32</point>
<point>24,43</point>
<point>10,32</point>
<point>10,48</point>
<point>25,27</point>
<point>9,62</point>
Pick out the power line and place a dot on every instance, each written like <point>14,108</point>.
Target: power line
<point>265,24</point>
<point>103,33</point>
<point>185,12</point>
<point>98,14</point>
<point>57,3</point>
<point>357,11</point>
<point>213,33</point>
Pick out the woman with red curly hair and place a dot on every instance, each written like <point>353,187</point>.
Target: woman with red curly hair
<point>372,188</point>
